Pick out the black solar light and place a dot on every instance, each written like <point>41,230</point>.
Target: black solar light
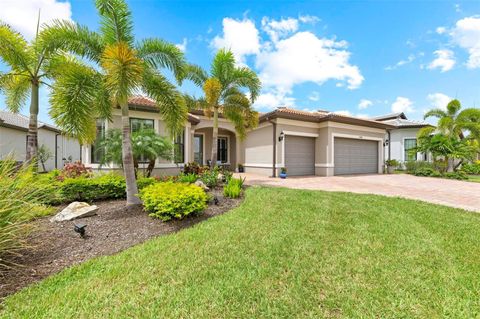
<point>215,200</point>
<point>80,228</point>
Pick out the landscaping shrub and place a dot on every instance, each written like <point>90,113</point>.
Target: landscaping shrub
<point>74,170</point>
<point>427,171</point>
<point>108,186</point>
<point>143,182</point>
<point>456,175</point>
<point>173,200</point>
<point>412,166</point>
<point>188,178</point>
<point>233,188</point>
<point>210,177</point>
<point>471,168</point>
<point>21,200</point>
<point>194,168</point>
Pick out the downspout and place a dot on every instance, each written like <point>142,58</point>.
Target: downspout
<point>389,147</point>
<point>274,157</point>
<point>56,150</point>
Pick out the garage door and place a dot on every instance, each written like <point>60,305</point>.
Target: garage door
<point>299,155</point>
<point>353,156</point>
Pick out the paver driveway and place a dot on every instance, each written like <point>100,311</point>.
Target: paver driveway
<point>453,193</point>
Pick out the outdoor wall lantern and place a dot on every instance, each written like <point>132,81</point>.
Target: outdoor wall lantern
<point>282,135</point>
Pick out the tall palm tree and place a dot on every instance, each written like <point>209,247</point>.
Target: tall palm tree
<point>223,94</point>
<point>454,122</point>
<point>30,66</point>
<point>83,93</point>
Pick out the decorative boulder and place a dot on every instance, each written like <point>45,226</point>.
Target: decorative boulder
<point>75,210</point>
<point>201,184</point>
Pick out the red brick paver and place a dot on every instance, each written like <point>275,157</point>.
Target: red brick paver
<point>447,192</point>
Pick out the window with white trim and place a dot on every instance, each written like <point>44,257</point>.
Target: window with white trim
<point>409,144</point>
<point>222,149</point>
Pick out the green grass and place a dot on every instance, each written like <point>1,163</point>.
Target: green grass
<point>474,178</point>
<point>283,253</point>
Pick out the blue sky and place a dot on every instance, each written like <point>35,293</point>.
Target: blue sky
<point>357,58</point>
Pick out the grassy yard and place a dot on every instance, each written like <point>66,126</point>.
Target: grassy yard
<point>474,178</point>
<point>283,253</point>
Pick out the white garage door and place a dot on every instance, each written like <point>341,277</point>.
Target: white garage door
<point>353,156</point>
<point>299,155</point>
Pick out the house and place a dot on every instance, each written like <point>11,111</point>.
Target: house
<point>13,140</point>
<point>306,143</point>
<point>402,138</point>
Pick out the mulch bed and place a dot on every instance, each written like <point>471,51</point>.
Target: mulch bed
<point>55,246</point>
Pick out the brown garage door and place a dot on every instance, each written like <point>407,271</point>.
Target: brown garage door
<point>299,155</point>
<point>352,156</point>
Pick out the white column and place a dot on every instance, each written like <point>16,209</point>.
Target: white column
<point>237,152</point>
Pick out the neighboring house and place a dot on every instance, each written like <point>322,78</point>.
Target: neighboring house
<point>13,140</point>
<point>402,138</point>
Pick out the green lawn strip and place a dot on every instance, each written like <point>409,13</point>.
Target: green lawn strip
<point>283,253</point>
<point>474,178</point>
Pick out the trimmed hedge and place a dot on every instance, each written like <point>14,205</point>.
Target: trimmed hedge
<point>169,200</point>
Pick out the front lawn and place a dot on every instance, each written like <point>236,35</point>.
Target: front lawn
<point>283,253</point>
<point>474,178</point>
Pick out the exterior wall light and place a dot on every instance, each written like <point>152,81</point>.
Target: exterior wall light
<point>281,137</point>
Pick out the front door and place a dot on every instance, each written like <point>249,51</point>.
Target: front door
<point>198,148</point>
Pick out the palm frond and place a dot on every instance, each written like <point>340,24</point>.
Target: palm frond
<point>170,102</point>
<point>16,88</point>
<point>196,74</point>
<point>435,113</point>
<point>116,21</point>
<point>194,103</point>
<point>223,66</point>
<point>213,90</point>
<point>14,50</point>
<point>453,107</point>
<point>161,54</point>
<point>71,37</point>
<point>246,78</point>
<point>73,101</point>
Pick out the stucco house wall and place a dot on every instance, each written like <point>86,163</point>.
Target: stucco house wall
<point>397,143</point>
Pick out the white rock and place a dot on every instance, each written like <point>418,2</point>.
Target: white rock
<point>202,185</point>
<point>75,210</point>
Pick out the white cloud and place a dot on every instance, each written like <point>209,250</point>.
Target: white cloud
<point>441,30</point>
<point>304,57</point>
<point>466,34</point>
<point>183,46</point>
<point>439,100</point>
<point>364,103</point>
<point>277,29</point>
<point>402,104</point>
<point>314,96</point>
<point>240,36</point>
<point>274,99</point>
<point>410,59</point>
<point>308,19</point>
<point>22,15</point>
<point>445,60</point>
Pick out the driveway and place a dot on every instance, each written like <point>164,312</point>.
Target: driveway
<point>447,192</point>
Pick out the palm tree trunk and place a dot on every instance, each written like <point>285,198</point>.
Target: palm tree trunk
<point>127,156</point>
<point>32,135</point>
<point>151,166</point>
<point>214,138</point>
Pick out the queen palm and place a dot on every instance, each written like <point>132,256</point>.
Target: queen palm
<point>83,93</point>
<point>30,65</point>
<point>223,94</point>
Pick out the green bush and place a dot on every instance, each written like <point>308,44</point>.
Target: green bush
<point>412,166</point>
<point>108,186</point>
<point>456,175</point>
<point>187,178</point>
<point>143,182</point>
<point>210,177</point>
<point>21,198</point>
<point>173,200</point>
<point>234,188</point>
<point>427,171</point>
<point>471,168</point>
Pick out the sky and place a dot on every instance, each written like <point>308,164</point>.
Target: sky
<point>359,58</point>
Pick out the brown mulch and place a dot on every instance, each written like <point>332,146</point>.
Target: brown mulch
<point>55,246</point>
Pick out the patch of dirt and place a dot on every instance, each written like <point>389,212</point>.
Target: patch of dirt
<point>56,246</point>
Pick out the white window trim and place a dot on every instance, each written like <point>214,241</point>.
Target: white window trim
<point>203,146</point>
<point>228,149</point>
<point>419,155</point>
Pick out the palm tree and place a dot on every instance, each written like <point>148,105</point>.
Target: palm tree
<point>83,93</point>
<point>146,145</point>
<point>223,94</point>
<point>30,66</point>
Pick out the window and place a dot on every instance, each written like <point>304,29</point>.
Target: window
<point>222,150</point>
<point>410,143</point>
<point>140,124</point>
<point>198,149</point>
<point>98,152</point>
<point>178,148</point>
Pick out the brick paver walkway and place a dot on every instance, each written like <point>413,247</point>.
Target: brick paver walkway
<point>453,193</point>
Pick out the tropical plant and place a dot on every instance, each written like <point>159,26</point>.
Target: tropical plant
<point>223,94</point>
<point>43,155</point>
<point>233,188</point>
<point>85,92</point>
<point>30,66</point>
<point>146,146</point>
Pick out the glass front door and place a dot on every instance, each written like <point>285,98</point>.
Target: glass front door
<point>198,148</point>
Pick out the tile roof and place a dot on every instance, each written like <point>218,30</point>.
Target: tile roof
<point>390,116</point>
<point>19,121</point>
<point>145,103</point>
<point>402,123</point>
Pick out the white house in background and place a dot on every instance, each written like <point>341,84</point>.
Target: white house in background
<point>402,138</point>
<point>13,140</point>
